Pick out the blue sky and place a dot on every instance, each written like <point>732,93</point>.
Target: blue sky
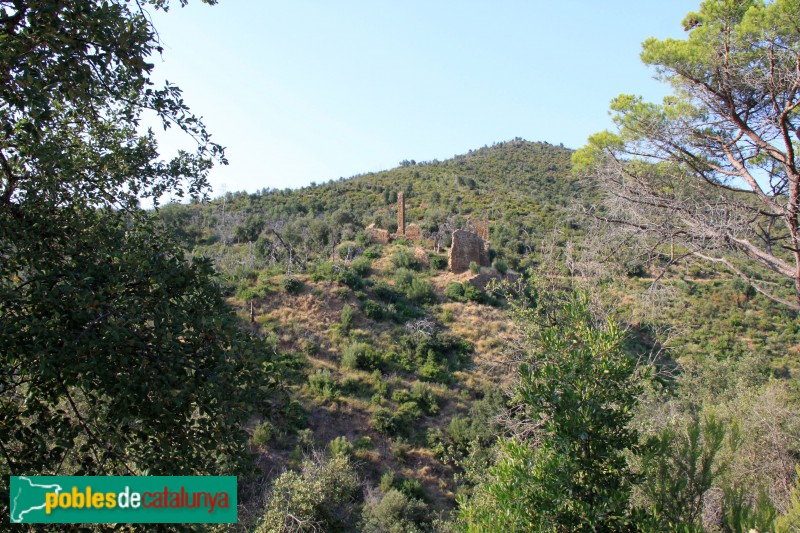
<point>311,90</point>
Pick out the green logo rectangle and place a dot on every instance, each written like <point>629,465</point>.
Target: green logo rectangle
<point>123,499</point>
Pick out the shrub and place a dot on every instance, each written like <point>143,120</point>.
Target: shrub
<point>361,356</point>
<point>474,267</point>
<point>395,513</point>
<point>385,293</point>
<point>403,278</point>
<point>324,385</point>
<point>421,292</point>
<point>346,317</point>
<point>384,421</point>
<point>349,250</point>
<point>372,253</point>
<point>340,446</point>
<point>438,262</point>
<point>322,493</point>
<point>403,259</point>
<point>362,266</point>
<point>373,310</point>
<point>263,434</point>
<point>454,291</point>
<point>500,266</point>
<point>363,443</point>
<point>292,285</point>
<point>473,294</point>
<point>423,394</point>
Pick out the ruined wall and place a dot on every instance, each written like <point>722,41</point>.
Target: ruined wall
<point>413,232</point>
<point>379,236</point>
<point>467,247</point>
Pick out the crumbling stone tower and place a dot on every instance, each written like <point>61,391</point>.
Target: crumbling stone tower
<point>401,214</point>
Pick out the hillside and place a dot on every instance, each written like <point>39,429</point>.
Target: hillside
<point>400,365</point>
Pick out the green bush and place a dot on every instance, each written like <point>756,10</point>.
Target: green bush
<point>474,267</point>
<point>438,262</point>
<point>395,513</point>
<point>323,384</point>
<point>323,493</point>
<point>340,446</point>
<point>421,292</point>
<point>385,293</point>
<point>292,285</point>
<point>423,395</point>
<point>403,259</point>
<point>473,294</point>
<point>349,250</point>
<point>384,421</point>
<point>263,434</point>
<point>360,356</point>
<point>373,310</point>
<point>500,266</point>
<point>362,266</point>
<point>346,317</point>
<point>454,291</point>
<point>372,253</point>
<point>403,278</point>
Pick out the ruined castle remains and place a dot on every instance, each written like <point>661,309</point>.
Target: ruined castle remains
<point>468,244</point>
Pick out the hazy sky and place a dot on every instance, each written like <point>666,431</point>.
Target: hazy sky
<point>311,90</point>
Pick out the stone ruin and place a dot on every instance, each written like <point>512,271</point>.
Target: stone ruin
<point>466,248</point>
<point>401,214</point>
<point>378,235</point>
<point>468,244</point>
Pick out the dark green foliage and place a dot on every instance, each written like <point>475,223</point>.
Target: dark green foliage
<point>576,392</point>
<point>438,262</point>
<point>395,513</point>
<point>500,266</point>
<point>677,471</point>
<point>349,251</point>
<point>338,272</point>
<point>263,434</point>
<point>373,310</point>
<point>372,253</point>
<point>362,266</point>
<point>321,495</point>
<point>420,292</point>
<point>250,229</point>
<point>324,385</point>
<point>403,259</point>
<point>361,356</point>
<point>454,291</point>
<point>89,311</point>
<point>473,294</point>
<point>395,421</point>
<point>292,285</point>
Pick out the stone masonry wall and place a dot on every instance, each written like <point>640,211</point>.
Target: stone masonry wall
<point>467,247</point>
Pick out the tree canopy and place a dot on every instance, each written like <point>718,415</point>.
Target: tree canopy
<point>117,355</point>
<point>713,167</point>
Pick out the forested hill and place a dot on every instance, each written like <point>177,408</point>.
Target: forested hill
<point>394,366</point>
<point>523,187</point>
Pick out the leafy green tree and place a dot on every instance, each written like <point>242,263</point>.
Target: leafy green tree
<point>117,356</point>
<point>565,468</point>
<point>714,166</point>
